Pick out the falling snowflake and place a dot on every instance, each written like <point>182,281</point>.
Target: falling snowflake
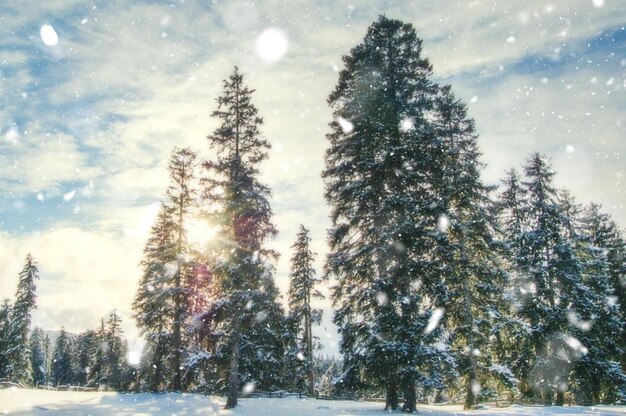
<point>249,388</point>
<point>575,344</point>
<point>69,196</point>
<point>575,321</point>
<point>49,35</point>
<point>407,124</point>
<point>271,45</point>
<point>381,298</point>
<point>12,135</point>
<point>476,388</point>
<point>433,321</point>
<point>345,125</point>
<point>443,223</point>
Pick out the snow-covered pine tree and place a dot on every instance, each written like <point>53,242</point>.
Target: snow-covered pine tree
<point>181,197</point>
<point>99,373</point>
<point>61,372</point>
<point>512,343</point>
<point>38,357</point>
<point>263,348</point>
<point>302,290</point>
<point>116,352</point>
<point>242,275</point>
<point>539,266</point>
<point>605,235</point>
<point>153,301</point>
<point>379,176</point>
<point>47,353</point>
<point>161,304</point>
<point>5,316</point>
<point>474,274</point>
<point>561,286</point>
<point>18,350</point>
<point>594,315</point>
<point>82,359</point>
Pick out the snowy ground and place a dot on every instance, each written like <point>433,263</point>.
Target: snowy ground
<point>39,402</point>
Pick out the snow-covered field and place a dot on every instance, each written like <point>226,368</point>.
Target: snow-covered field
<point>39,402</point>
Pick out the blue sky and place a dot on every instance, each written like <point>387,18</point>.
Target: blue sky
<point>86,125</point>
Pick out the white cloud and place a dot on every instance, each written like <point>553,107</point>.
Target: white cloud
<point>40,162</point>
<point>84,275</point>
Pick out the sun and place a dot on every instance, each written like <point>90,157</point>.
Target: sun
<point>200,231</point>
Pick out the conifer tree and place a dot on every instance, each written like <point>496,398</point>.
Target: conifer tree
<point>116,352</point>
<point>153,301</point>
<point>605,236</point>
<point>475,276</point>
<point>47,353</point>
<point>513,343</point>
<point>542,269</point>
<point>5,315</point>
<point>38,357</point>
<point>82,359</point>
<point>18,350</point>
<point>302,291</point>
<point>561,283</point>
<point>242,276</point>
<point>380,170</point>
<point>594,317</point>
<point>62,360</point>
<point>161,304</point>
<point>98,376</point>
<point>181,197</point>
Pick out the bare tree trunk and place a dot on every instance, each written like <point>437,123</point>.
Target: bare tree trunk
<point>470,397</point>
<point>410,399</point>
<point>176,342</point>
<point>233,379</point>
<point>391,396</point>
<point>560,397</point>
<point>309,346</point>
<point>472,381</point>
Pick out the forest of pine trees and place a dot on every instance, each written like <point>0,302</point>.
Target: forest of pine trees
<point>443,287</point>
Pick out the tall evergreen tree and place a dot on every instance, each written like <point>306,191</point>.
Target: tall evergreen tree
<point>47,353</point>
<point>154,300</point>
<point>98,374</point>
<point>62,360</point>
<point>561,282</point>
<point>513,342</point>
<point>38,357</point>
<point>475,276</point>
<point>606,236</point>
<point>302,282</point>
<point>82,359</point>
<point>5,316</point>
<point>596,318</point>
<point>181,197</point>
<point>242,277</point>
<point>161,304</point>
<point>381,171</point>
<point>116,352</point>
<point>18,350</point>
<point>542,271</point>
